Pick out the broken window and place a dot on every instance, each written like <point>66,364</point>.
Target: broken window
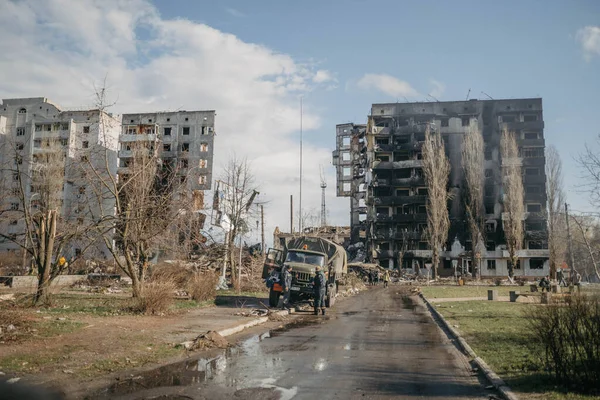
<point>491,264</point>
<point>534,208</point>
<point>85,144</point>
<point>20,146</point>
<point>383,158</point>
<point>536,263</point>
<point>203,147</point>
<point>185,147</point>
<point>402,173</point>
<point>22,111</point>
<point>420,137</point>
<point>508,118</point>
<point>465,121</point>
<point>535,245</point>
<point>86,129</point>
<point>402,192</point>
<point>533,152</point>
<point>81,189</point>
<point>383,211</point>
<point>518,266</point>
<point>422,191</point>
<point>423,246</point>
<point>530,118</point>
<point>83,158</point>
<point>382,141</point>
<point>401,156</point>
<point>14,222</point>
<point>532,171</point>
<point>167,131</point>
<point>489,173</point>
<point>14,206</point>
<point>490,245</point>
<point>445,122</point>
<point>202,163</point>
<point>534,226</point>
<point>15,176</point>
<point>183,163</point>
<point>489,208</point>
<point>37,143</point>
<point>530,135</point>
<point>186,130</point>
<point>20,131</point>
<point>533,189</point>
<point>202,179</point>
<point>489,191</point>
<point>422,209</point>
<point>487,154</point>
<point>167,147</point>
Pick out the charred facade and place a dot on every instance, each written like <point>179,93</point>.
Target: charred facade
<point>379,166</point>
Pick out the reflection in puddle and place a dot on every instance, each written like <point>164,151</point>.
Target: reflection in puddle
<point>196,371</point>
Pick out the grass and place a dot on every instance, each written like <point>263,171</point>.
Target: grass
<point>440,292</point>
<point>498,332</point>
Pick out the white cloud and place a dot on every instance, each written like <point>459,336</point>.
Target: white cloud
<point>589,38</point>
<point>437,88</point>
<point>59,49</point>
<point>387,84</point>
<point>322,76</point>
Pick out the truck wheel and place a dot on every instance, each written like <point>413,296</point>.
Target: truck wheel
<point>330,300</point>
<point>274,298</point>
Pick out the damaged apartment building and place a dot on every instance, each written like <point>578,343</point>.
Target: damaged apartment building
<point>379,167</point>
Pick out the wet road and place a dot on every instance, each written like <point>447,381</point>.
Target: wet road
<point>376,345</point>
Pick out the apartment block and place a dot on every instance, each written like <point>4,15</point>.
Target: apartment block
<point>184,139</point>
<point>379,166</point>
<point>28,127</point>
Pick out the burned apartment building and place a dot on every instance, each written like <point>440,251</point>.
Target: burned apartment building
<point>379,166</point>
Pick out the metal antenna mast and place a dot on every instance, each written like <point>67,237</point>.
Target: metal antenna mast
<point>323,208</point>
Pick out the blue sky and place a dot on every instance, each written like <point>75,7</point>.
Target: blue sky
<point>252,60</point>
<point>509,49</point>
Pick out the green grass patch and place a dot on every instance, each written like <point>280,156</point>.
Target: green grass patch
<point>55,328</point>
<point>442,292</point>
<point>499,333</point>
<point>90,304</point>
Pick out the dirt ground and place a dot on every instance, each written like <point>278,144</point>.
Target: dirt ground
<point>71,348</point>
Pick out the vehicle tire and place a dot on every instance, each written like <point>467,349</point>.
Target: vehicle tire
<point>273,298</point>
<point>330,300</point>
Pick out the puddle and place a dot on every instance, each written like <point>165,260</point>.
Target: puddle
<point>186,373</point>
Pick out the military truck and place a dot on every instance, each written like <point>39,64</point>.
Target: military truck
<point>304,254</point>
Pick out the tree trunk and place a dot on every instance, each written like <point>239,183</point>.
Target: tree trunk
<point>434,259</point>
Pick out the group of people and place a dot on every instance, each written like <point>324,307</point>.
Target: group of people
<point>376,276</point>
<point>545,282</point>
<point>319,288</point>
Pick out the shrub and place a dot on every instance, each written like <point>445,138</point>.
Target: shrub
<point>571,336</point>
<point>157,297</point>
<point>203,286</point>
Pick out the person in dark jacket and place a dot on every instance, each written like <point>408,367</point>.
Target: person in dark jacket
<point>545,283</point>
<point>286,284</point>
<point>319,289</point>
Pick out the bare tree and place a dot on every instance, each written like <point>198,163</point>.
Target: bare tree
<point>436,169</point>
<point>473,167</point>
<point>513,207</point>
<point>588,236</point>
<point>137,207</point>
<point>556,199</point>
<point>239,191</point>
<point>34,205</point>
<point>589,161</point>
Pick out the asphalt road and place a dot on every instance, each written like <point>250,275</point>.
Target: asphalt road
<point>376,345</point>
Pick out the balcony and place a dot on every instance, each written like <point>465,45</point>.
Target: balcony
<point>399,200</point>
<point>522,126</point>
<point>409,217</point>
<point>532,143</point>
<point>383,147</point>
<point>125,153</point>
<point>138,138</point>
<point>414,181</point>
<point>403,130</point>
<point>535,197</point>
<point>534,162</point>
<point>542,253</point>
<point>533,179</point>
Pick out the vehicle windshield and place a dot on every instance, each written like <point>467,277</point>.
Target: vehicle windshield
<point>306,258</point>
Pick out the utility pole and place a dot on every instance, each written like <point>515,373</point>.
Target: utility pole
<point>570,244</point>
<point>300,199</point>
<point>291,213</point>
<point>262,229</point>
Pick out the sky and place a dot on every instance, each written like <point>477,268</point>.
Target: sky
<point>252,62</point>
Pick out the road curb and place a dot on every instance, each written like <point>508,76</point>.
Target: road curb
<point>494,379</point>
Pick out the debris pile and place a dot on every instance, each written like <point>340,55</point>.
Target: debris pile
<point>208,340</point>
<point>255,312</point>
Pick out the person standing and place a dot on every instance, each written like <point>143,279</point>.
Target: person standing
<point>386,278</point>
<point>319,289</point>
<point>286,284</point>
<point>560,277</point>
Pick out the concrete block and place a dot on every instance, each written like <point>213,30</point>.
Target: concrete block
<point>546,298</point>
<point>513,295</point>
<point>492,295</point>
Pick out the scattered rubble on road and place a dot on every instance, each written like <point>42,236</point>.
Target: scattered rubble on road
<point>255,312</point>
